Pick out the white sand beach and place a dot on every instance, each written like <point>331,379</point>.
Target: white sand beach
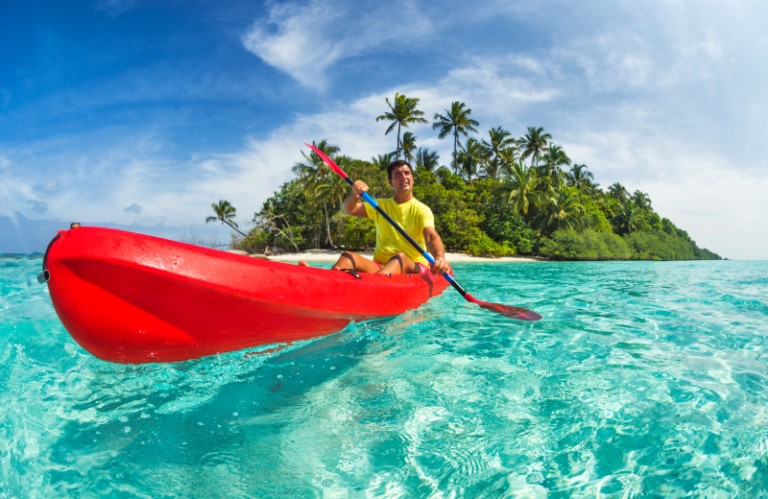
<point>326,255</point>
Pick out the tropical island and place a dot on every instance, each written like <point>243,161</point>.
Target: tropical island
<point>500,196</point>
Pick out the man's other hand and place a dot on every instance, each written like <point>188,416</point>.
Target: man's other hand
<point>440,266</point>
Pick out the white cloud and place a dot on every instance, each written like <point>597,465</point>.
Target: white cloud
<point>304,40</point>
<point>135,208</point>
<point>16,195</point>
<point>628,58</point>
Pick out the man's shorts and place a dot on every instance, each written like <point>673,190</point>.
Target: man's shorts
<point>423,269</point>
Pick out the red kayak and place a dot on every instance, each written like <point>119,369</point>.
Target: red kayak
<point>133,299</point>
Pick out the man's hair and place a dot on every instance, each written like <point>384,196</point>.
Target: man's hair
<point>395,164</point>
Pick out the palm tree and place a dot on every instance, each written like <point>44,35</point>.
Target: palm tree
<point>382,161</point>
<point>534,143</point>
<point>456,120</point>
<point>642,201</point>
<point>501,151</point>
<point>314,173</point>
<point>427,159</point>
<point>618,192</point>
<point>554,159</point>
<point>335,188</point>
<point>562,211</point>
<point>628,218</point>
<point>470,159</point>
<point>401,114</point>
<point>580,178</point>
<point>519,190</point>
<point>409,146</point>
<point>226,213</point>
<point>607,205</point>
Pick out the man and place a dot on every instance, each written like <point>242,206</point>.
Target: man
<point>394,254</point>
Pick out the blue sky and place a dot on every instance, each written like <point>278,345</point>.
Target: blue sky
<point>139,115</point>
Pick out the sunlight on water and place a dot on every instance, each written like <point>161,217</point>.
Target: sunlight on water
<point>642,380</point>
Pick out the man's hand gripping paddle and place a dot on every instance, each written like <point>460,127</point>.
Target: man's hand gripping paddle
<point>519,313</point>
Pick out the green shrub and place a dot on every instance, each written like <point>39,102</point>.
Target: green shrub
<point>595,219</point>
<point>645,246</point>
<point>526,246</point>
<point>255,242</point>
<point>456,223</point>
<point>485,246</point>
<point>659,245</point>
<point>284,241</point>
<point>359,233</point>
<point>654,221</point>
<point>291,203</point>
<point>586,245</point>
<point>511,230</point>
<point>458,230</point>
<point>614,246</point>
<point>668,227</point>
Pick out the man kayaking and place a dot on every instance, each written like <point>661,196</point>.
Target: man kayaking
<point>393,254</point>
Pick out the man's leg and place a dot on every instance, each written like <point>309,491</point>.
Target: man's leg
<point>399,264</point>
<point>351,260</point>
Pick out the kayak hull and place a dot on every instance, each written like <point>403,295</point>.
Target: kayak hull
<point>133,299</point>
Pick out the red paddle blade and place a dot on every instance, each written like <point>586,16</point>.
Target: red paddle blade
<point>519,313</point>
<point>328,161</point>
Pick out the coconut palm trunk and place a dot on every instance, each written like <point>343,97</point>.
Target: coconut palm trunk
<point>328,224</point>
<point>235,228</point>
<point>398,140</point>
<point>455,151</point>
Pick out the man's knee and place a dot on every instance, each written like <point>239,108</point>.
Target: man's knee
<point>350,254</point>
<point>402,261</point>
<point>346,259</point>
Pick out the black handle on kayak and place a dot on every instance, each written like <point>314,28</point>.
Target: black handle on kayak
<point>45,275</point>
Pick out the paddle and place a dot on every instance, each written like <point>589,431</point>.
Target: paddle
<point>519,313</point>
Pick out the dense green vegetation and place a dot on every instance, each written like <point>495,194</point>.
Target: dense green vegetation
<point>499,196</point>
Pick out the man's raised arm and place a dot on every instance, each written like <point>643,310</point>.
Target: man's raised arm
<point>352,205</point>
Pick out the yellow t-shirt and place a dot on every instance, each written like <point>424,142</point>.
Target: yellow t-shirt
<point>413,216</point>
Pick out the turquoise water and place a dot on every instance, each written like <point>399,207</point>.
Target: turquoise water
<point>642,380</point>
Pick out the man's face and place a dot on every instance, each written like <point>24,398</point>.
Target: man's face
<point>402,179</point>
